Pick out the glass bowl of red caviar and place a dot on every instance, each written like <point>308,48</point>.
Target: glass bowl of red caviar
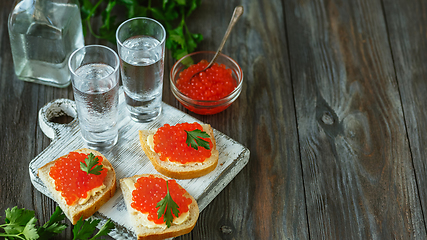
<point>211,91</point>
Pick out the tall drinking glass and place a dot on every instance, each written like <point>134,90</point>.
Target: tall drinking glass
<point>141,47</point>
<point>95,79</point>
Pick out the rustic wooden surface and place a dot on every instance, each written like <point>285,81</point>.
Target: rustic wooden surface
<point>332,110</point>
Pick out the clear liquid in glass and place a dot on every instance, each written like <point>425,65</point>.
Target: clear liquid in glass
<point>97,104</point>
<point>142,76</point>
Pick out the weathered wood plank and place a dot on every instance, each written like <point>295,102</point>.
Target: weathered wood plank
<point>265,201</point>
<point>21,137</point>
<point>407,26</point>
<point>358,174</point>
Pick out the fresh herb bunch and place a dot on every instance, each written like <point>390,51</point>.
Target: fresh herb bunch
<point>171,13</point>
<point>20,223</point>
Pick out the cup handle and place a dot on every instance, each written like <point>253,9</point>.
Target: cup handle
<point>55,109</point>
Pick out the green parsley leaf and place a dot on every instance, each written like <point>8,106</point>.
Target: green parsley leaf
<point>16,220</point>
<point>167,206</point>
<point>20,223</point>
<point>90,165</point>
<point>135,10</point>
<point>30,230</point>
<point>177,36</point>
<point>126,2</point>
<point>85,8</point>
<point>53,226</point>
<point>109,26</point>
<point>105,229</point>
<point>85,228</point>
<point>194,139</point>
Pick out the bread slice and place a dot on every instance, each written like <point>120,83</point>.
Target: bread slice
<point>180,171</point>
<point>74,212</point>
<point>145,233</point>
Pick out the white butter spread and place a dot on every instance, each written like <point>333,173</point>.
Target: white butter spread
<point>143,216</point>
<point>91,193</point>
<point>94,191</point>
<point>150,143</point>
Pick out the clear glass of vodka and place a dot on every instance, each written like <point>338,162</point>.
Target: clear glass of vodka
<point>95,79</point>
<point>141,47</point>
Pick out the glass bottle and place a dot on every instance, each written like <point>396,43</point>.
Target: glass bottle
<point>43,34</point>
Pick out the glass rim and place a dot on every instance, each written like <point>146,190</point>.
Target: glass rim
<point>141,18</point>
<point>115,67</point>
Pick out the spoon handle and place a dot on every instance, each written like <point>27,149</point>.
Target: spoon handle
<point>238,11</point>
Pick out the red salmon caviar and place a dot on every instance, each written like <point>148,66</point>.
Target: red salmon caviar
<point>213,84</point>
<point>170,143</point>
<point>71,181</point>
<point>150,190</point>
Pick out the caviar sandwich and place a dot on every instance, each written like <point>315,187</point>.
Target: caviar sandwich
<point>80,182</point>
<point>158,208</point>
<point>182,151</point>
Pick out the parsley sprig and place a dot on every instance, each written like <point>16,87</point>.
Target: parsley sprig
<point>167,207</point>
<point>171,13</point>
<point>90,165</point>
<point>20,223</point>
<point>84,229</point>
<point>194,139</point>
<point>54,226</point>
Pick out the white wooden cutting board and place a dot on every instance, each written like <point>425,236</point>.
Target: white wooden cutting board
<point>128,158</point>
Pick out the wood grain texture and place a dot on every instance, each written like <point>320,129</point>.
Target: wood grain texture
<point>407,27</point>
<point>332,110</point>
<point>358,173</point>
<point>21,137</point>
<point>265,200</point>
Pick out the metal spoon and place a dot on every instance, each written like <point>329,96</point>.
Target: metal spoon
<point>238,11</point>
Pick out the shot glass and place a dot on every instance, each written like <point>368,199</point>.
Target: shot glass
<point>95,79</point>
<point>141,47</point>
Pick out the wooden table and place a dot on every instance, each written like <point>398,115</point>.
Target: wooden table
<point>332,110</point>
